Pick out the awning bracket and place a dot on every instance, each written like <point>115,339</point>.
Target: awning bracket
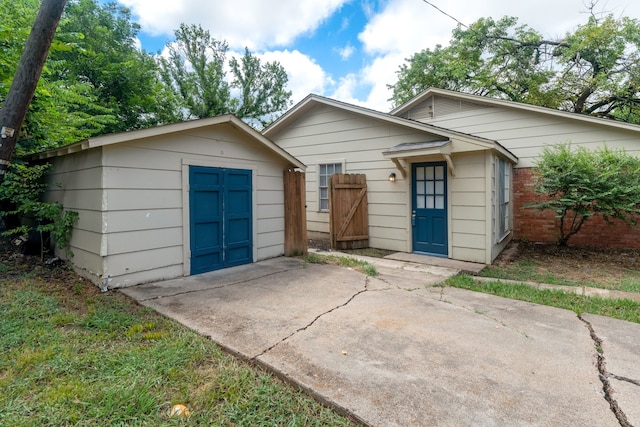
<point>402,170</point>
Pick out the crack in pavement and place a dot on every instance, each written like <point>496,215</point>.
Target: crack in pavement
<point>625,379</point>
<point>239,282</point>
<point>604,376</point>
<point>304,328</point>
<point>481,313</point>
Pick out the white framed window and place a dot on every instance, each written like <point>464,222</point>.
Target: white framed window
<point>325,170</point>
<point>503,183</point>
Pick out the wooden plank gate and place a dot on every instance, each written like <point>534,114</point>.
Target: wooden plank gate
<point>295,214</point>
<point>348,211</point>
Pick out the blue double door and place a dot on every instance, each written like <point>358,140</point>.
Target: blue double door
<point>429,208</point>
<point>220,211</point>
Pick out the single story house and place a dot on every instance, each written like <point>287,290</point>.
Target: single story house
<point>462,168</point>
<point>172,200</point>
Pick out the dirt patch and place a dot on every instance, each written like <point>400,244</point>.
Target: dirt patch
<point>50,275</point>
<point>605,267</point>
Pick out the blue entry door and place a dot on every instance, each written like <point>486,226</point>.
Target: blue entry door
<point>220,207</point>
<point>429,210</point>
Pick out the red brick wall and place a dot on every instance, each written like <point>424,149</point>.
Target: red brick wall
<point>537,226</point>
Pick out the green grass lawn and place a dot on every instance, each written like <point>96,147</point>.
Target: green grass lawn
<point>70,355</point>
<point>617,308</point>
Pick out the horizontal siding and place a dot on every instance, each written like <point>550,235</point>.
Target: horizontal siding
<point>471,241</point>
<point>75,181</point>
<point>468,254</point>
<point>467,190</point>
<point>325,134</point>
<point>153,275</point>
<point>144,219</point>
<point>525,133</point>
<point>131,197</point>
<point>90,262</point>
<point>138,198</point>
<point>134,262</point>
<point>266,252</point>
<point>468,226</point>
<point>135,241</point>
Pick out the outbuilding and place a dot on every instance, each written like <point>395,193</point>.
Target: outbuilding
<point>171,201</point>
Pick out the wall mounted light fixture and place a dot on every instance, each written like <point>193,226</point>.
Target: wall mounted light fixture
<point>392,177</point>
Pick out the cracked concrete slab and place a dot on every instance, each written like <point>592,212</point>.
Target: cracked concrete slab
<point>621,351</point>
<point>406,358</point>
<point>247,312</point>
<point>394,350</point>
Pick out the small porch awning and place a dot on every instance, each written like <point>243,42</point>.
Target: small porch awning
<point>418,149</point>
<point>443,148</point>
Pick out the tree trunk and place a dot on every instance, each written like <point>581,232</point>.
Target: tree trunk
<point>26,78</point>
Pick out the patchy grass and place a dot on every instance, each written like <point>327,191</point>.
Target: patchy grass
<point>350,262</point>
<point>616,308</point>
<point>70,355</point>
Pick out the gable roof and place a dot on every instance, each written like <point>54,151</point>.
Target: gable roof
<point>312,100</point>
<point>116,138</point>
<point>494,102</point>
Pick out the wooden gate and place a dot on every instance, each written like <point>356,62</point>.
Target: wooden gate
<point>348,211</point>
<point>295,214</point>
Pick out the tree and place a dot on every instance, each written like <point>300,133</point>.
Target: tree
<point>62,110</point>
<point>594,70</point>
<point>123,79</point>
<point>195,68</point>
<point>24,84</point>
<point>577,184</point>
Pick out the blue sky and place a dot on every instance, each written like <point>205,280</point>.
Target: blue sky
<point>349,49</point>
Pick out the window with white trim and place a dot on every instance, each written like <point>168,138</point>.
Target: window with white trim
<point>504,197</point>
<point>325,170</point>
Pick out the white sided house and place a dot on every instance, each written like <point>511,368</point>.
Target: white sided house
<point>172,201</point>
<point>451,191</point>
<point>462,167</point>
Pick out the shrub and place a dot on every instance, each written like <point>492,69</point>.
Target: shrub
<point>21,191</point>
<point>577,184</point>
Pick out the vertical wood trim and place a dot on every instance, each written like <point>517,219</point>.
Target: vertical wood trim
<point>295,214</point>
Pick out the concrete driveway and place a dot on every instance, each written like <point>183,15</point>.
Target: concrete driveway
<point>395,350</point>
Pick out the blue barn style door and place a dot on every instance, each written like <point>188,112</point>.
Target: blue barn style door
<point>429,214</point>
<point>220,220</point>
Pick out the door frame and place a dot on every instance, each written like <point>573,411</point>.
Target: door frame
<point>411,189</point>
<point>186,211</point>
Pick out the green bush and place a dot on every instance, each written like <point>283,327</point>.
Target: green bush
<point>22,190</point>
<point>577,184</point>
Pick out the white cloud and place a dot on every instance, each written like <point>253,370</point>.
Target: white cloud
<point>252,23</point>
<point>404,27</point>
<point>305,75</point>
<point>396,29</point>
<point>346,52</point>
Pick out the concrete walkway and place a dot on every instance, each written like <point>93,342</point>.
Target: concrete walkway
<point>398,350</point>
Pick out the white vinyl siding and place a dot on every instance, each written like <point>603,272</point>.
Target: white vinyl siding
<point>325,134</point>
<point>525,133</point>
<point>325,170</point>
<point>468,209</point>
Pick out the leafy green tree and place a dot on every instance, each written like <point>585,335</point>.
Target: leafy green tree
<point>593,70</point>
<point>62,110</point>
<point>195,69</point>
<point>196,66</point>
<point>577,184</point>
<point>123,79</point>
